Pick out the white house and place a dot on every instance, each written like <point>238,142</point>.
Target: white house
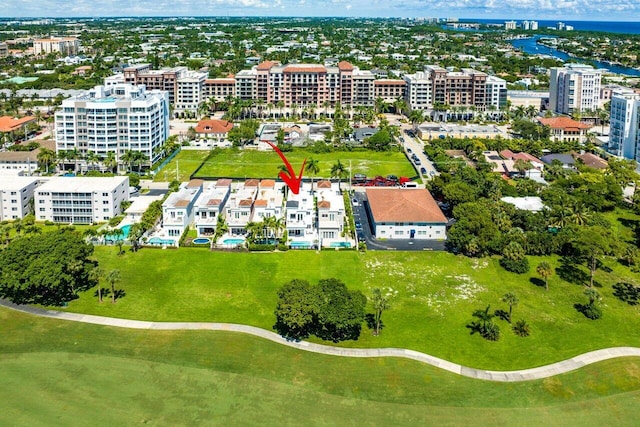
<point>210,204</point>
<point>331,214</point>
<point>81,200</point>
<point>178,208</point>
<point>405,214</point>
<point>269,201</point>
<point>15,193</point>
<point>301,218</point>
<point>240,206</point>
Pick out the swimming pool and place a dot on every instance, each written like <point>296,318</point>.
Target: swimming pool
<point>125,233</point>
<point>340,245</point>
<point>300,244</point>
<point>233,241</point>
<point>201,241</point>
<point>159,241</point>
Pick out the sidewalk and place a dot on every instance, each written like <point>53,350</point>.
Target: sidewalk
<point>541,372</point>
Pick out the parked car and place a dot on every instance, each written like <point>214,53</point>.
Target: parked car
<point>423,171</point>
<point>417,162</point>
<point>358,225</point>
<point>355,202</point>
<point>409,150</point>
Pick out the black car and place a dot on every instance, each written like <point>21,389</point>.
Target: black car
<point>358,225</point>
<point>409,150</point>
<point>423,171</point>
<point>361,236</point>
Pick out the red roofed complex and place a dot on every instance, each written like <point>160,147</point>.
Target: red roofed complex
<point>9,124</point>
<point>406,214</point>
<point>212,128</point>
<point>565,128</point>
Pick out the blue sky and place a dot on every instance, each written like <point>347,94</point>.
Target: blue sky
<point>566,10</point>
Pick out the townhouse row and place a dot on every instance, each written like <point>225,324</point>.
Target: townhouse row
<point>310,218</point>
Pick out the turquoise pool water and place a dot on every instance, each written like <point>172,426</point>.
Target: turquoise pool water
<point>20,80</point>
<point>300,244</point>
<point>159,241</point>
<point>201,241</point>
<point>340,245</point>
<point>233,241</point>
<point>125,233</point>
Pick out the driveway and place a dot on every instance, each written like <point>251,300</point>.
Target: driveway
<point>362,214</point>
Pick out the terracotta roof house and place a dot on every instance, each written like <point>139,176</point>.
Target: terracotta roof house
<point>212,128</point>
<point>593,161</point>
<point>565,128</point>
<point>405,214</point>
<point>10,124</point>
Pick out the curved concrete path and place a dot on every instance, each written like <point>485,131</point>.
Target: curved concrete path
<point>540,372</point>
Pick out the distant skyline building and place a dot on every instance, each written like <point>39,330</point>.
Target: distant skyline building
<point>510,25</point>
<point>574,88</point>
<point>63,45</point>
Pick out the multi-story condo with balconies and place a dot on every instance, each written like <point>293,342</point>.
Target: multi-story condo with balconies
<point>114,119</point>
<point>219,89</point>
<point>15,195</point>
<point>574,88</point>
<point>189,93</point>
<point>80,200</point>
<point>62,45</point>
<point>165,79</point>
<point>209,205</point>
<point>418,93</point>
<point>496,97</point>
<point>624,128</point>
<point>389,90</point>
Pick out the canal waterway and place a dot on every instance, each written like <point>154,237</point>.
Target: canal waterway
<point>530,46</point>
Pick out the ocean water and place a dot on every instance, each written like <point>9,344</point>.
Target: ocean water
<point>610,27</point>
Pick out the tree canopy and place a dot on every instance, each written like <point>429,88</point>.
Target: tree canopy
<point>47,269</point>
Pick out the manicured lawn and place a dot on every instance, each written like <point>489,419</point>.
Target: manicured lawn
<point>437,292</point>
<point>260,164</point>
<point>63,373</point>
<point>186,161</point>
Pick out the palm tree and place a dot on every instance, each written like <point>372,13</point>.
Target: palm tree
<point>129,157</point>
<point>280,106</point>
<point>46,157</point>
<point>95,275</point>
<point>222,227</point>
<point>545,270</point>
<point>110,161</point>
<point>511,299</point>
<point>338,170</point>
<point>593,295</point>
<point>312,166</point>
<point>113,277</point>
<point>522,166</point>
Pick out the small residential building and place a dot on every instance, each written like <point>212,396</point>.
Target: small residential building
<point>592,161</point>
<point>15,194</point>
<point>565,129</point>
<point>405,214</point>
<point>139,206</point>
<point>239,208</point>
<point>500,165</point>
<point>22,162</point>
<point>362,133</point>
<point>269,201</point>
<point>301,218</point>
<point>527,203</point>
<point>331,213</point>
<point>210,204</point>
<point>537,166</point>
<point>566,159</point>
<point>81,200</point>
<point>14,126</point>
<point>178,209</point>
<point>213,129</point>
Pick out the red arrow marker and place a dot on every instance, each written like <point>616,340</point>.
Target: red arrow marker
<point>291,180</point>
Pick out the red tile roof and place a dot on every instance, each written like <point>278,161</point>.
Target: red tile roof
<point>260,203</point>
<point>345,66</point>
<point>324,184</point>
<point>404,205</point>
<point>593,161</point>
<point>213,126</point>
<point>562,123</point>
<point>224,182</point>
<point>251,182</point>
<point>266,65</point>
<point>245,202</point>
<point>324,204</point>
<point>9,124</point>
<point>267,183</point>
<point>195,183</point>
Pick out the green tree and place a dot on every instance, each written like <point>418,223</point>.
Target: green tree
<point>545,270</point>
<point>95,275</point>
<point>46,158</point>
<point>511,299</point>
<point>340,311</point>
<point>338,170</point>
<point>313,167</point>
<point>591,244</point>
<point>46,269</point>
<point>296,309</point>
<point>380,302</point>
<point>113,277</point>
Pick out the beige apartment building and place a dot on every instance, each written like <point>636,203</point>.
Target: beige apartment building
<point>62,45</point>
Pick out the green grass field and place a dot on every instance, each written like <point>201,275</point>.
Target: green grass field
<point>261,164</point>
<point>437,292</point>
<point>63,373</point>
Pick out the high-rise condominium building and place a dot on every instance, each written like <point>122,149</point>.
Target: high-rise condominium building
<point>63,45</point>
<point>114,119</point>
<point>574,88</point>
<point>624,133</point>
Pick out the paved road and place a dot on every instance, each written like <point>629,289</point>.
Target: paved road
<point>498,376</point>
